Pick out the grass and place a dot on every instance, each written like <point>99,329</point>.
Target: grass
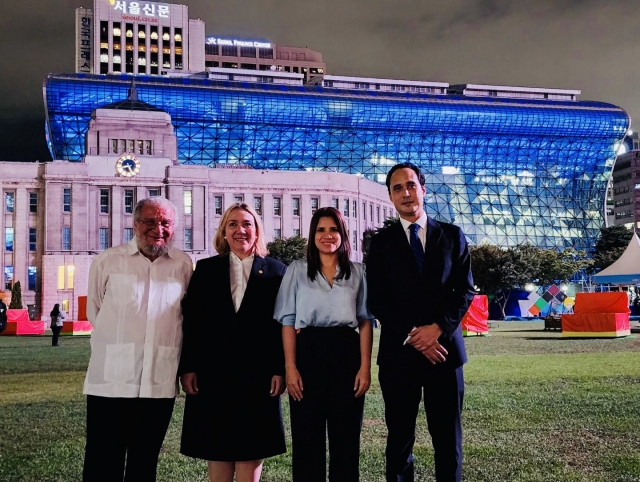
<point>537,408</point>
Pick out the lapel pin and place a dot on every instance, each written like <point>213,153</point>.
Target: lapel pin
<point>260,271</point>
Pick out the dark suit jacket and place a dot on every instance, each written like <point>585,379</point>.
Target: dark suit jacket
<point>401,296</point>
<point>218,342</point>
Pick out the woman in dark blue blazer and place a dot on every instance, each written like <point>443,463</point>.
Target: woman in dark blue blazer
<point>232,362</point>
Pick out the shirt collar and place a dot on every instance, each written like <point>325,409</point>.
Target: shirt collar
<point>235,259</point>
<point>421,221</point>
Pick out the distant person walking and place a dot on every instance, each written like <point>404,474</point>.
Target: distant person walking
<point>57,319</point>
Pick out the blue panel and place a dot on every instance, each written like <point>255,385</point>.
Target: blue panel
<point>507,171</point>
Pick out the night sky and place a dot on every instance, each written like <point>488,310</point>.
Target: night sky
<point>590,45</point>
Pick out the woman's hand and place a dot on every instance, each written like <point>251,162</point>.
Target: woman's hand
<point>363,381</point>
<point>189,383</point>
<point>294,383</point>
<point>277,385</point>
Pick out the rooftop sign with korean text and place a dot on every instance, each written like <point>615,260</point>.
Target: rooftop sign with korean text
<point>145,9</point>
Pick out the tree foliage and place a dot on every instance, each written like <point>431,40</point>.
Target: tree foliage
<point>498,271</point>
<point>16,297</point>
<point>287,250</point>
<point>368,233</point>
<point>610,246</point>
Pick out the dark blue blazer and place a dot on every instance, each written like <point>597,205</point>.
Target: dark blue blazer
<point>401,296</point>
<point>218,341</point>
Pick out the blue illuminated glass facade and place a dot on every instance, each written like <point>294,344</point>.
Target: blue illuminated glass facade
<point>507,171</point>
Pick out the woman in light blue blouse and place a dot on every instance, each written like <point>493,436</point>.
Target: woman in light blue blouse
<point>321,303</point>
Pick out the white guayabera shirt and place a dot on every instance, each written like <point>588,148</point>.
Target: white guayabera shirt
<point>134,307</point>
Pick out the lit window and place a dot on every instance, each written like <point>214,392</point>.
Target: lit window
<point>8,239</point>
<point>32,276</point>
<point>60,277</point>
<point>10,201</point>
<point>117,32</point>
<point>334,203</point>
<point>314,204</point>
<point>70,272</point>
<point>188,238</point>
<point>187,201</point>
<point>128,235</point>
<point>104,201</point>
<point>218,204</point>
<point>345,211</point>
<point>8,277</point>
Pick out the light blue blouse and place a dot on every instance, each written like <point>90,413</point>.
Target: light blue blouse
<point>302,302</point>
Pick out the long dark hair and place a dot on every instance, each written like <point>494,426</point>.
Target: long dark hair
<point>344,251</point>
<point>55,311</point>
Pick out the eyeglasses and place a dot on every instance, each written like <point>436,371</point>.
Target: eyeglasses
<point>152,223</point>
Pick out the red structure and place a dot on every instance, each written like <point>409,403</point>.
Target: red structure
<point>598,315</point>
<point>475,321</point>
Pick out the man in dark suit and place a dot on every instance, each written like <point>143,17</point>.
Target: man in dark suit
<point>420,286</point>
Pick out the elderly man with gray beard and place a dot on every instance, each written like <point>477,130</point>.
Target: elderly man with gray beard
<point>133,302</point>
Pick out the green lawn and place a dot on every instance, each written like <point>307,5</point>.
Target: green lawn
<point>537,408</point>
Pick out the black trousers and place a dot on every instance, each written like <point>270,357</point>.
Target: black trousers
<point>120,429</point>
<point>56,335</point>
<point>328,360</point>
<point>443,391</point>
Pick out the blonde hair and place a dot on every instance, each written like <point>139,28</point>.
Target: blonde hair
<point>220,243</point>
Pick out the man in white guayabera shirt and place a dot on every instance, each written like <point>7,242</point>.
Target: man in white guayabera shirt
<point>133,302</point>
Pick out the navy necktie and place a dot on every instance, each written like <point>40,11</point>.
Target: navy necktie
<point>416,245</point>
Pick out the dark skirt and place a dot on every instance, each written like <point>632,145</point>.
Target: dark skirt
<point>232,418</point>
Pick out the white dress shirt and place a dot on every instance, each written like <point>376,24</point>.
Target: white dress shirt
<point>239,270</point>
<point>422,230</point>
<point>134,307</point>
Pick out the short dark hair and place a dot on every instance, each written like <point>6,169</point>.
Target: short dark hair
<point>404,165</point>
<point>344,251</point>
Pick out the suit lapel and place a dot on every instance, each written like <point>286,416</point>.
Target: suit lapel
<point>257,270</point>
<point>434,234</point>
<point>403,248</point>
<point>226,283</point>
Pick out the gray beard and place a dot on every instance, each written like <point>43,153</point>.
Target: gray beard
<point>153,250</point>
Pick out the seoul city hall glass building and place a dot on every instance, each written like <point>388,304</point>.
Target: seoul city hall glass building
<point>506,170</point>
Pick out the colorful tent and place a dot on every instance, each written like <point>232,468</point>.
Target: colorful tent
<point>598,315</point>
<point>474,321</point>
<point>626,270</point>
<point>18,323</point>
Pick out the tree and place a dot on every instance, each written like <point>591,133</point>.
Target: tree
<point>610,246</point>
<point>16,297</point>
<point>368,233</point>
<point>287,250</point>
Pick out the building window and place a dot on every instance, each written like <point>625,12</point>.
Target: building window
<point>238,199</point>
<point>314,204</point>
<point>104,201</point>
<point>218,204</point>
<point>32,274</point>
<point>149,145</point>
<point>277,206</point>
<point>371,212</point>
<point>378,213</point>
<point>257,205</point>
<point>354,209</point>
<point>71,269</point>
<point>66,200</point>
<point>345,211</point>
<point>355,240</point>
<point>104,238</point>
<point>60,277</point>
<point>265,53</point>
<point>295,202</point>
<point>33,202</point>
<point>277,233</point>
<point>364,211</point>
<point>154,192</point>
<point>296,232</point>
<point>32,239</point>
<point>129,201</point>
<point>188,238</point>
<point>229,51</point>
<point>8,277</point>
<point>248,52</point>
<point>8,239</point>
<point>128,235</point>
<point>66,238</point>
<point>10,201</point>
<point>334,203</point>
<point>188,198</point>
